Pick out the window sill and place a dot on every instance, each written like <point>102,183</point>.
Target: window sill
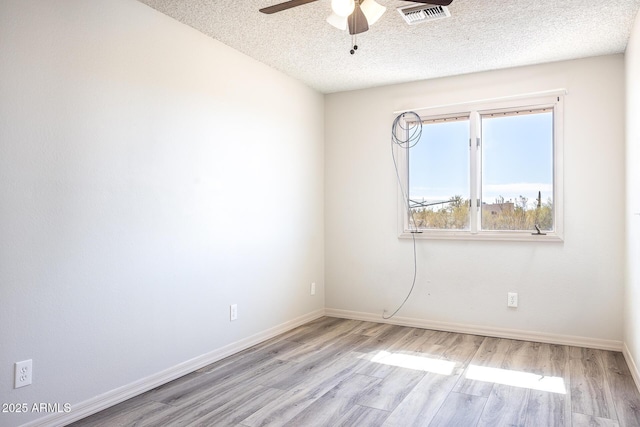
<point>484,236</point>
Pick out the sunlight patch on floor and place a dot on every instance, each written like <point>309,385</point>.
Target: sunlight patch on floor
<point>516,379</point>
<point>418,363</point>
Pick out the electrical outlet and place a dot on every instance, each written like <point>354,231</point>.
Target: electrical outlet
<point>313,288</point>
<point>23,373</point>
<point>233,312</point>
<point>512,299</point>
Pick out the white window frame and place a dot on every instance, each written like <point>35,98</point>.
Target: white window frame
<point>474,110</point>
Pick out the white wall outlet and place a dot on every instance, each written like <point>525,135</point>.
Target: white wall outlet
<point>233,312</point>
<point>512,299</point>
<point>313,288</point>
<point>23,373</point>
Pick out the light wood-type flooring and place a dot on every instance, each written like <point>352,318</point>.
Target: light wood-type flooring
<point>335,372</point>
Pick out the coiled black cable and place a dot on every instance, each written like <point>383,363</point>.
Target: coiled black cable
<point>406,131</point>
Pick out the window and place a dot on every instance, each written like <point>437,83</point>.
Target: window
<point>486,170</point>
<point>439,181</point>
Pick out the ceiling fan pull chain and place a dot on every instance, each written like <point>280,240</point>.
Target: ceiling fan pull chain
<point>354,43</point>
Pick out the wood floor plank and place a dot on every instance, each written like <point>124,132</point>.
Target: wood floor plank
<point>278,412</point>
<point>329,336</point>
<point>490,354</point>
<point>362,416</point>
<point>582,420</point>
<point>614,362</point>
<point>547,409</point>
<point>300,353</point>
<point>225,407</point>
<point>627,401</point>
<point>521,356</point>
<point>209,400</point>
<point>370,329</point>
<point>312,387</point>
<point>331,407</point>
<point>324,331</point>
<point>386,352</point>
<point>460,348</point>
<point>623,389</point>
<point>417,342</point>
<point>309,330</point>
<point>243,353</point>
<point>421,405</point>
<point>414,340</point>
<point>459,410</point>
<point>386,336</point>
<point>388,393</point>
<point>200,387</point>
<point>590,394</point>
<point>553,361</point>
<point>506,406</point>
<point>250,357</point>
<point>316,363</point>
<point>231,412</point>
<point>130,413</point>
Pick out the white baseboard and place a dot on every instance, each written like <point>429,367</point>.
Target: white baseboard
<point>633,367</point>
<point>113,397</point>
<point>481,330</point>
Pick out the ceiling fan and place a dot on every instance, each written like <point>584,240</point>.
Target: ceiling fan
<point>356,14</point>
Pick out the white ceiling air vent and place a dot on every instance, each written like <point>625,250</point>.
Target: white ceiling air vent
<point>422,13</point>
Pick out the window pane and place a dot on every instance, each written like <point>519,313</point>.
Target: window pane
<point>439,177</point>
<point>517,171</point>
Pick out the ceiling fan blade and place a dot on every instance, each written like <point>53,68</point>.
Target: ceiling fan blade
<point>357,21</point>
<point>284,6</point>
<point>434,2</point>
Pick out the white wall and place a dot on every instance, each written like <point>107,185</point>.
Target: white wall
<point>149,177</point>
<point>572,289</point>
<point>632,294</point>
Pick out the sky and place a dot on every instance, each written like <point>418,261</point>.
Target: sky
<point>517,159</point>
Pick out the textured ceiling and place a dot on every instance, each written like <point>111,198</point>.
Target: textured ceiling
<point>480,35</point>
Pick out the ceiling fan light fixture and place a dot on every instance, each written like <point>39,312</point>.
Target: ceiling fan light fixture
<point>343,7</point>
<point>372,10</point>
<point>340,22</point>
